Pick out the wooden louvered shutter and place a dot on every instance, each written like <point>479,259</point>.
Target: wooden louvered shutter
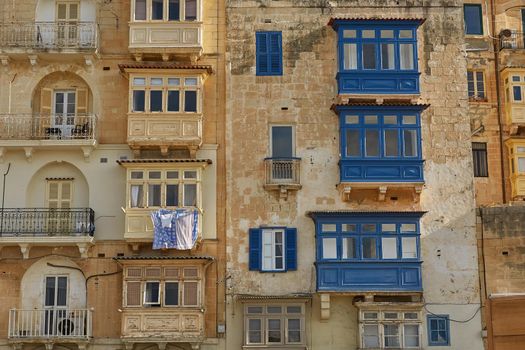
<point>59,194</point>
<point>46,101</point>
<point>275,54</point>
<point>82,102</point>
<point>133,293</point>
<point>261,44</point>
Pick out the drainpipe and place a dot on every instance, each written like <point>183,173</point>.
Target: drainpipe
<point>495,46</point>
<point>9,97</point>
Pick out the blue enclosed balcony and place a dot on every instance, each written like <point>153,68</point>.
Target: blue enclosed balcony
<point>367,251</point>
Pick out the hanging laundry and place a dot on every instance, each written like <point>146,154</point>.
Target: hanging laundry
<point>174,229</point>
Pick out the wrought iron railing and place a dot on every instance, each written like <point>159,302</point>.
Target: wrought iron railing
<point>31,222</point>
<point>50,323</point>
<point>39,127</point>
<point>283,171</point>
<point>49,35</point>
<point>512,39</point>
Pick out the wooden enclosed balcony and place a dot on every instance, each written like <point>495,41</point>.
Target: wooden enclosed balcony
<point>27,227</point>
<point>283,174</point>
<point>50,325</point>
<point>35,37</point>
<point>28,131</point>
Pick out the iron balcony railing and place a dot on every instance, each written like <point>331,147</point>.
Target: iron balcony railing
<point>512,39</point>
<point>49,35</point>
<point>50,323</point>
<point>56,127</point>
<point>283,171</point>
<point>29,222</point>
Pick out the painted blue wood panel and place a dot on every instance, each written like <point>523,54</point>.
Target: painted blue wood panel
<point>381,170</point>
<point>378,83</point>
<point>359,276</point>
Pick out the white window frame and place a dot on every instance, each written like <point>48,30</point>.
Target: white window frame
<point>272,253</point>
<point>182,12</point>
<point>381,321</point>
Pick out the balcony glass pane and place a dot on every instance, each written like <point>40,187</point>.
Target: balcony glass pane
<point>172,174</point>
<point>174,10</point>
<point>191,10</point>
<point>390,120</point>
<point>406,56</point>
<point>293,309</point>
<point>294,330</point>
<point>329,248</point>
<point>254,331</point>
<point>388,227</point>
<point>282,141</point>
<point>349,33</point>
<point>353,144</point>
<point>191,293</point>
<point>371,336</point>
<point>190,195</point>
<point>157,9</point>
<point>140,10</point>
<point>369,227</point>
<point>411,335</point>
<point>156,81</point>
<point>255,309</point>
<point>328,227</point>
<point>174,81</point>
<point>155,101</point>
<point>190,82</point>
<point>349,251</point>
<point>139,98</point>
<point>405,34</point>
<point>274,309</point>
<point>151,293</point>
<point>409,120</point>
<point>516,91</point>
<point>171,293</point>
<point>521,165</point>
<point>137,174</point>
<point>369,56</point>
<point>391,336</point>
<point>391,143</point>
<point>372,143</point>
<point>387,56</point>
<point>410,143</point>
<point>50,291</point>
<point>154,195</point>
<point>274,330</point>
<point>350,56</point>
<point>173,101</point>
<point>387,34</point>
<point>139,81</point>
<point>136,196</point>
<point>348,227</point>
<point>190,101</point>
<point>61,291</point>
<point>154,174</point>
<point>369,248</point>
<point>389,247</point>
<point>408,228</point>
<point>172,195</point>
<point>368,34</point>
<point>409,247</point>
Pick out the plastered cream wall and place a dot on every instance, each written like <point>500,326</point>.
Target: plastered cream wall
<point>302,97</point>
<point>100,183</point>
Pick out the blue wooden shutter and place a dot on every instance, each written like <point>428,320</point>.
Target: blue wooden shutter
<point>291,249</point>
<point>255,249</point>
<point>275,53</point>
<point>261,43</point>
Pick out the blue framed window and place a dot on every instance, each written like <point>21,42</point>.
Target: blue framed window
<point>438,330</point>
<point>380,143</point>
<point>368,251</point>
<point>273,249</point>
<point>269,53</point>
<point>377,56</point>
<point>473,19</point>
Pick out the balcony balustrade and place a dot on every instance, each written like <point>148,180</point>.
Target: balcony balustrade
<point>49,36</point>
<point>283,174</point>
<point>58,324</point>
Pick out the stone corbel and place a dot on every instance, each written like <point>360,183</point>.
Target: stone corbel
<point>382,193</point>
<point>87,153</point>
<point>49,346</point>
<point>24,249</point>
<point>164,149</point>
<point>17,346</point>
<point>162,345</point>
<point>193,151</point>
<point>29,153</point>
<point>417,192</point>
<point>88,59</point>
<point>513,129</point>
<point>195,346</point>
<point>4,59</point>
<point>82,346</point>
<point>283,192</point>
<point>138,57</point>
<point>2,154</point>
<point>33,59</point>
<point>325,307</point>
<point>165,57</point>
<point>83,250</point>
<point>128,346</point>
<point>347,190</point>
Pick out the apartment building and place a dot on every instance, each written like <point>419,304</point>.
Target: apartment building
<point>495,58</point>
<point>350,206</point>
<point>111,111</point>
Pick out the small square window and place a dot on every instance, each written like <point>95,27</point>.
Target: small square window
<point>156,81</point>
<point>174,81</point>
<point>438,330</point>
<point>190,81</point>
<point>139,81</point>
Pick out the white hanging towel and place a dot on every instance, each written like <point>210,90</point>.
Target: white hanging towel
<point>186,229</point>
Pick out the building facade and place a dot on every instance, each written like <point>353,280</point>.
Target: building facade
<point>350,207</point>
<point>111,111</point>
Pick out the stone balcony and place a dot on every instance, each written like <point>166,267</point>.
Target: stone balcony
<point>283,175</point>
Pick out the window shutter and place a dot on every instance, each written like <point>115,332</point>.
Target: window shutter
<point>46,99</point>
<point>262,53</point>
<point>191,296</point>
<point>291,249</point>
<point>255,249</point>
<point>82,101</point>
<point>275,53</point>
<point>133,294</point>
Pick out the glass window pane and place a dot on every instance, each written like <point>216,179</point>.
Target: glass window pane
<point>352,119</point>
<point>294,309</point>
<point>391,315</point>
<point>328,227</point>
<point>156,81</point>
<point>294,330</point>
<point>349,251</point>
<point>411,316</point>
<point>349,33</point>
<point>172,174</point>
<point>409,120</point>
<point>390,120</point>
<point>387,34</point>
<point>171,293</point>
<point>368,227</point>
<point>350,56</point>
<point>389,247</point>
<point>50,291</point>
<point>136,196</point>
<point>411,335</point>
<point>274,309</point>
<point>190,101</point>
<point>409,247</point>
<point>371,336</point>
<point>353,143</point>
<point>154,174</point>
<point>172,195</point>
<point>348,227</point>
<point>391,336</point>
<point>191,10</point>
<point>388,227</point>
<point>174,81</point>
<point>255,309</point>
<point>405,34</point>
<point>370,315</point>
<point>369,247</point>
<point>190,174</point>
<point>254,331</point>
<point>61,291</point>
<point>387,56</point>
<point>372,143</point>
<point>173,101</point>
<point>190,195</point>
<point>369,34</point>
<point>139,81</point>
<point>157,9</point>
<point>406,56</point>
<point>473,19</point>
<point>371,119</point>
<point>521,164</point>
<point>139,97</point>
<point>140,10</point>
<point>155,101</point>
<point>137,174</point>
<point>154,195</point>
<point>516,91</point>
<point>408,228</point>
<point>410,143</point>
<point>151,294</point>
<point>282,141</point>
<point>391,143</point>
<point>190,293</point>
<point>174,10</point>
<point>274,330</point>
<point>369,56</point>
<point>190,81</point>
<point>329,248</point>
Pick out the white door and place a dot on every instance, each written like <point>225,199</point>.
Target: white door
<point>64,113</point>
<point>55,305</point>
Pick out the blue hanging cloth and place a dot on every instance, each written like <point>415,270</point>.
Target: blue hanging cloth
<point>174,229</point>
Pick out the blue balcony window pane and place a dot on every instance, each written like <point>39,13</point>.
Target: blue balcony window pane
<point>387,56</point>
<point>173,100</point>
<point>473,19</point>
<point>190,101</point>
<point>155,101</point>
<point>410,143</point>
<point>369,248</point>
<point>372,143</point>
<point>369,56</point>
<point>391,143</point>
<point>174,10</point>
<point>516,91</point>
<point>353,143</point>
<point>139,97</point>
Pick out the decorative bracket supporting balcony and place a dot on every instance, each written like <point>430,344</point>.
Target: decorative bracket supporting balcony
<point>33,59</point>
<point>89,60</point>
<point>87,153</point>
<point>83,250</point>
<point>325,307</point>
<point>29,153</point>
<point>382,189</point>
<point>4,59</point>
<point>24,249</point>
